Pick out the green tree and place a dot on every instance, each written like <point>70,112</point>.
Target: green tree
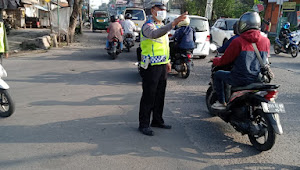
<point>221,8</point>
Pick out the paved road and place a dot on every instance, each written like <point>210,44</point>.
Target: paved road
<point>78,109</point>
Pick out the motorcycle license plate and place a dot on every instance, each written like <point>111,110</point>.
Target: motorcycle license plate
<point>273,107</point>
<point>100,20</point>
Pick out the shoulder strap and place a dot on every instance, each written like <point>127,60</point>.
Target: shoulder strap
<point>258,55</point>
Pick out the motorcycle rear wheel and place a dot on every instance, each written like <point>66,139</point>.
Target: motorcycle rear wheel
<point>186,70</point>
<point>7,106</point>
<point>211,98</point>
<point>277,49</point>
<point>128,48</point>
<point>267,140</point>
<point>114,56</point>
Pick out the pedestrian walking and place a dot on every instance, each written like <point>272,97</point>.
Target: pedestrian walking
<point>155,65</point>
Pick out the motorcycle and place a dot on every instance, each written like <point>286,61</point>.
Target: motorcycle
<point>292,49</point>
<point>181,60</point>
<point>7,106</point>
<point>128,41</point>
<point>251,110</point>
<point>114,48</point>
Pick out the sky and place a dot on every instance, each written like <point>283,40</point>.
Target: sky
<point>97,3</point>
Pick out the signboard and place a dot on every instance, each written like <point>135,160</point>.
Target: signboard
<point>258,8</point>
<point>298,17</point>
<point>289,6</point>
<point>278,1</point>
<point>121,2</point>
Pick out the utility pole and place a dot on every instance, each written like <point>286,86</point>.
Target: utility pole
<point>208,10</point>
<point>88,8</point>
<point>280,2</point>
<point>58,22</point>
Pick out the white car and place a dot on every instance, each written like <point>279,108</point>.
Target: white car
<point>222,30</point>
<point>201,26</point>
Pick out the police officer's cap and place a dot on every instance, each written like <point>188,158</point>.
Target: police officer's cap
<point>159,5</point>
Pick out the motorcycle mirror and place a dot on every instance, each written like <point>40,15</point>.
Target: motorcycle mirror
<point>212,47</point>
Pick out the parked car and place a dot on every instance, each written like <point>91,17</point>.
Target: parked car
<point>100,20</point>
<point>222,30</point>
<point>201,26</point>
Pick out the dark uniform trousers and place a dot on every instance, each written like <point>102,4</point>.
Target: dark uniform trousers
<point>153,97</point>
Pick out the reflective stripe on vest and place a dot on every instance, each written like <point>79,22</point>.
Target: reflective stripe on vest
<point>154,50</point>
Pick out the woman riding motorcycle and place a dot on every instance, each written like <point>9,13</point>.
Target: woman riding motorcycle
<point>184,37</point>
<point>225,46</point>
<point>114,30</point>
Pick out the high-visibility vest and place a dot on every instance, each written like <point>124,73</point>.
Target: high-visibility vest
<point>154,51</point>
<point>2,38</point>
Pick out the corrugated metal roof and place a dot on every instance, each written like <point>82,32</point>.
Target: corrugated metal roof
<point>9,4</point>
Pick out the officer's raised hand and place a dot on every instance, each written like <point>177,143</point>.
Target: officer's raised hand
<point>179,19</point>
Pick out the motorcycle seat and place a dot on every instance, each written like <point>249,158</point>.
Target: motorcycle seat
<point>255,86</point>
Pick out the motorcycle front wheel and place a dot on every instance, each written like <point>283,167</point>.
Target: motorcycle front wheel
<point>265,140</point>
<point>7,106</point>
<point>211,98</point>
<point>294,51</point>
<point>277,49</point>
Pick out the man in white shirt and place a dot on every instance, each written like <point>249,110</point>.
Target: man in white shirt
<point>128,25</point>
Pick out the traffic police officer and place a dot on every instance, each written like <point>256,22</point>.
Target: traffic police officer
<point>155,64</point>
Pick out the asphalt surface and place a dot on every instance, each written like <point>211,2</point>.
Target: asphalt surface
<point>76,108</point>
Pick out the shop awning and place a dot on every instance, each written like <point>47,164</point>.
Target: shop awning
<point>30,1</point>
<point>41,8</point>
<point>9,4</point>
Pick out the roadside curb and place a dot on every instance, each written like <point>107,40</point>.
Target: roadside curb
<point>20,53</point>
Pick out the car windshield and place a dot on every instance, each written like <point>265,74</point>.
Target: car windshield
<point>100,15</point>
<point>136,14</point>
<point>230,24</point>
<point>198,24</point>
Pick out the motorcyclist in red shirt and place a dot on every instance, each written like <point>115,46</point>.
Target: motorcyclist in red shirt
<point>241,55</point>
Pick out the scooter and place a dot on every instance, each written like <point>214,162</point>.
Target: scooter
<point>292,49</point>
<point>128,41</point>
<point>7,106</point>
<point>114,48</point>
<point>251,110</point>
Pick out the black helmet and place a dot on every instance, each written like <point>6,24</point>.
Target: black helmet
<point>128,16</point>
<point>248,21</point>
<point>235,28</point>
<point>113,18</point>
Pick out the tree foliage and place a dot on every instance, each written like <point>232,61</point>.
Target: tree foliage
<point>221,8</point>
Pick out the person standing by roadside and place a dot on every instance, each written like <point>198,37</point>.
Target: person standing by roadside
<point>155,64</point>
<point>3,40</point>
